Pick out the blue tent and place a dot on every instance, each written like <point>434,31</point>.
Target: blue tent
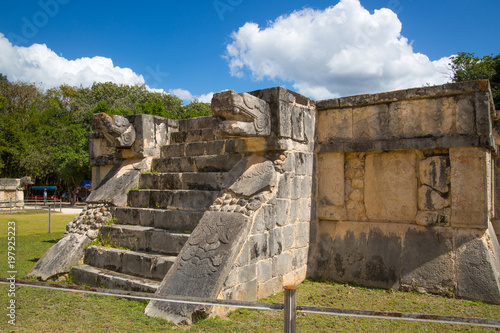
<point>85,183</point>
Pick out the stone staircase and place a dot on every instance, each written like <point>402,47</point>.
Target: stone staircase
<point>161,214</point>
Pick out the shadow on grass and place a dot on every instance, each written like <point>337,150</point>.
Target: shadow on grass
<point>34,259</point>
<point>51,241</point>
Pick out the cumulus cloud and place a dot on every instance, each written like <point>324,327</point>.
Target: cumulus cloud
<point>340,51</point>
<point>187,96</point>
<point>37,63</point>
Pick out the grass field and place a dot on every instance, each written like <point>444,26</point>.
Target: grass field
<point>39,310</point>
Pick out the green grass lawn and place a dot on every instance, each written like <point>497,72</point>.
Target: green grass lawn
<point>40,310</point>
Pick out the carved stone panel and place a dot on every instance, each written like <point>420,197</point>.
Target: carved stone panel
<point>116,129</point>
<point>203,264</point>
<point>241,114</point>
<point>391,186</point>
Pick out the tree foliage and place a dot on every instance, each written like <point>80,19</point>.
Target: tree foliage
<point>467,67</point>
<point>44,134</point>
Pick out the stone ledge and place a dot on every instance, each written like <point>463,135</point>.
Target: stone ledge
<point>400,95</point>
<point>410,143</point>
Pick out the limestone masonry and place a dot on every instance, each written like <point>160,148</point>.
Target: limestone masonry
<point>393,190</point>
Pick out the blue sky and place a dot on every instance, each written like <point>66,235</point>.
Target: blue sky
<point>322,49</point>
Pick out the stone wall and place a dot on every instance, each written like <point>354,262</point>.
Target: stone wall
<point>405,183</point>
<point>11,193</point>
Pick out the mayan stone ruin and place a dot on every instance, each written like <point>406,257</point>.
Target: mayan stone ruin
<point>392,190</point>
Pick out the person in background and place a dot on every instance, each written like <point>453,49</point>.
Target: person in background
<point>44,196</point>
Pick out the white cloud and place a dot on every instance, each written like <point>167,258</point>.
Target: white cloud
<point>187,96</point>
<point>37,63</point>
<point>340,51</point>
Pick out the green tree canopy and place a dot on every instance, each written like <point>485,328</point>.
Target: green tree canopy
<point>44,134</point>
<point>467,67</point>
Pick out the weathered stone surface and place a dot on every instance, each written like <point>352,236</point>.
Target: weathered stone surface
<point>478,267</point>
<point>470,187</point>
<point>427,218</point>
<point>428,199</point>
<point>208,256</point>
<point>340,120</point>
<point>61,257</point>
<point>251,176</point>
<point>241,114</point>
<point>427,260</point>
<point>117,129</point>
<point>104,278</point>
<point>391,186</point>
<point>331,186</point>
<point>435,172</point>
<point>122,177</point>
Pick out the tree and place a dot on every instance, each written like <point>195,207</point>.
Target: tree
<point>468,67</point>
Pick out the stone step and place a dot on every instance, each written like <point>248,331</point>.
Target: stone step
<point>215,147</point>
<point>140,264</point>
<point>194,135</point>
<point>173,220</point>
<point>197,123</point>
<point>210,181</point>
<point>139,238</point>
<point>207,163</point>
<point>104,278</point>
<point>171,199</point>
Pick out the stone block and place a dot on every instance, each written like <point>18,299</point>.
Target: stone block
<point>301,234</point>
<point>331,176</point>
<point>435,172</point>
<point>427,218</point>
<point>363,254</point>
<point>269,287</point>
<point>465,116</point>
<point>288,236</point>
<point>270,216</point>
<point>102,257</point>
<point>478,274</point>
<point>470,187</point>
<point>298,124</point>
<point>391,186</point>
<point>285,120</point>
<point>284,263</point>
<point>370,122</point>
<point>284,185</point>
<point>335,125</point>
<point>166,242</point>
<point>67,252</point>
<point>232,278</point>
<point>195,149</point>
<point>259,224</point>
<point>244,257</point>
<point>167,181</point>
<point>282,211</point>
<point>427,260</point>
<point>214,147</point>
<point>247,291</point>
<point>309,124</point>
<point>294,211</point>
<point>258,247</point>
<point>305,210</point>
<point>264,270</point>
<point>247,273</point>
<point>428,199</point>
<point>174,150</point>
<point>275,241</point>
<point>332,213</point>
<point>300,163</point>
<point>299,258</point>
<point>296,189</point>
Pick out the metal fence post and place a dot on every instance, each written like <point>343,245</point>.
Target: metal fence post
<point>36,201</point>
<point>60,205</point>
<point>290,308</point>
<point>49,218</point>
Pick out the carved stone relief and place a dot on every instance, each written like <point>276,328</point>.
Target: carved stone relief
<point>116,129</point>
